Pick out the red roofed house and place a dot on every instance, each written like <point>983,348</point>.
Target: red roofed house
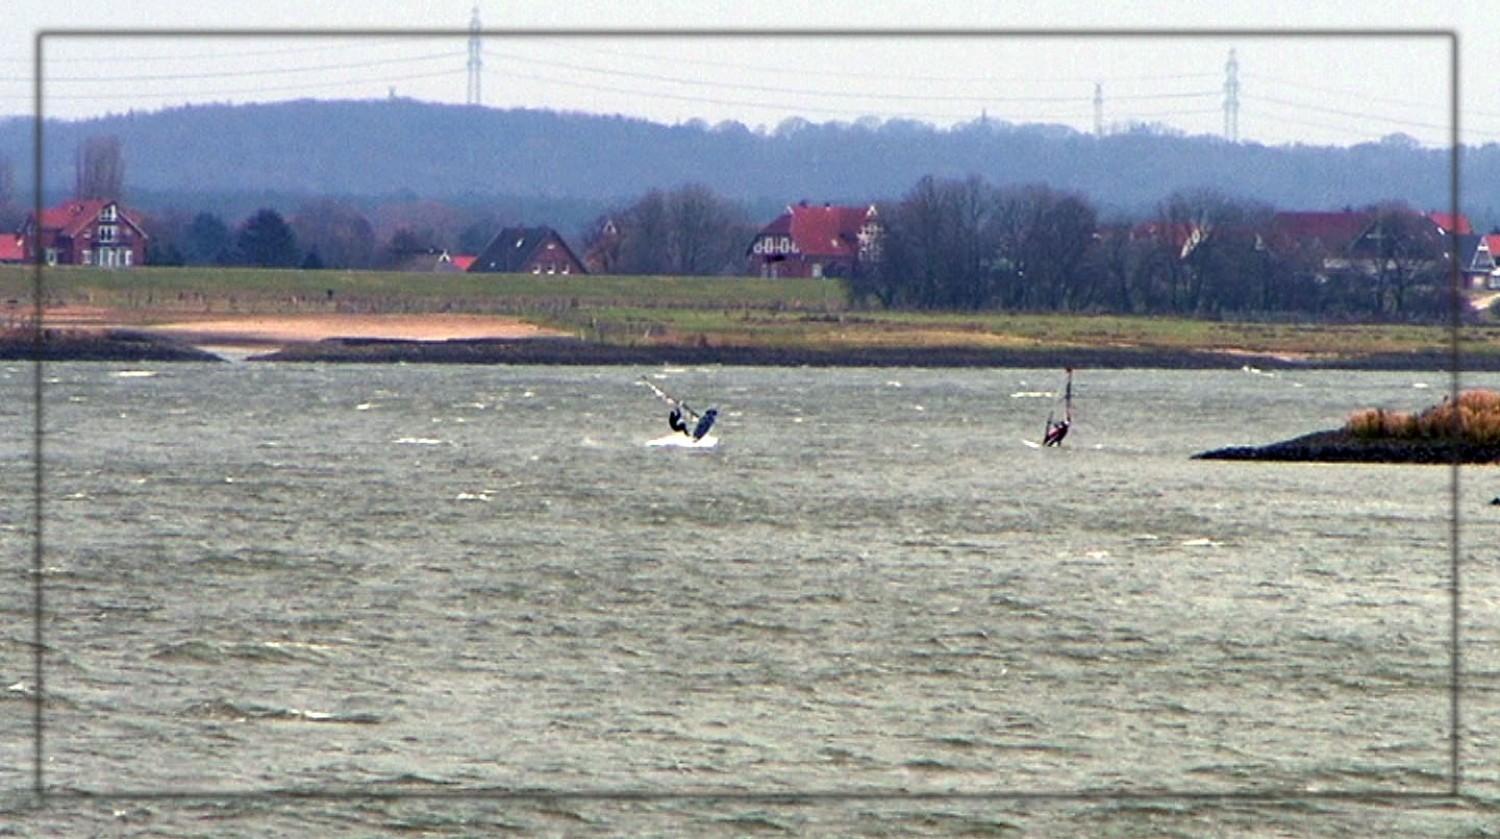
<point>1477,260</point>
<point>821,241</point>
<point>93,232</point>
<point>1448,223</point>
<point>12,249</point>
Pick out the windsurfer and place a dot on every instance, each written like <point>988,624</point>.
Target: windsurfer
<point>683,419</point>
<point>1056,431</point>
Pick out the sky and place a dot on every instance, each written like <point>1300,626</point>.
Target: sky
<point>1312,72</point>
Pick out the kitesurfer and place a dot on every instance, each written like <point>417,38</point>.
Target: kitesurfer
<point>675,420</point>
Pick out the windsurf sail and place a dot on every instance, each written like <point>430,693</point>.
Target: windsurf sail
<point>705,422</point>
<point>1057,429</point>
<point>677,404</point>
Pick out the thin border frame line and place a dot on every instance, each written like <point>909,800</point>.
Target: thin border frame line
<point>1455,589</point>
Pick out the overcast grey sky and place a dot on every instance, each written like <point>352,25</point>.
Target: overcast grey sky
<point>1339,86</point>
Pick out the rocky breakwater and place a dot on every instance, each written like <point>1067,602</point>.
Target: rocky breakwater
<point>1465,430</point>
<point>94,344</point>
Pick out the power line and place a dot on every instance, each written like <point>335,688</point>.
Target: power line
<point>216,93</point>
<point>1363,115</point>
<point>220,74</point>
<point>846,76</point>
<point>838,92</point>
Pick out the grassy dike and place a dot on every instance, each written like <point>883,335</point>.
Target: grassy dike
<point>715,317</point>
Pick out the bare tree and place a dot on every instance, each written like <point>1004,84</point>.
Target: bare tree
<point>706,232</point>
<point>1046,237</point>
<point>940,248</point>
<point>100,169</point>
<point>342,236</point>
<point>11,213</point>
<point>1404,250</point>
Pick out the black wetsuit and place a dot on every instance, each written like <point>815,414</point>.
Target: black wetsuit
<point>1055,434</point>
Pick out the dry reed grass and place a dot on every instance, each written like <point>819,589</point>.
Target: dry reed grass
<point>1474,417</point>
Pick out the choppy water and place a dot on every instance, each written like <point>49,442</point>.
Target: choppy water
<point>472,601</point>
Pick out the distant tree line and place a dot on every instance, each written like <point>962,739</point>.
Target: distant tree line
<point>962,245</point>
<point>968,245</point>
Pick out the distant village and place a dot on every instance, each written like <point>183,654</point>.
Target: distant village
<point>804,241</point>
<point>1034,249</point>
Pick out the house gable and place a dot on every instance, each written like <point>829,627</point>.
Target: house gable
<point>808,241</point>
<point>86,232</point>
<point>527,250</point>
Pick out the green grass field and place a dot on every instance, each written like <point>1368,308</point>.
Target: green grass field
<point>728,311</point>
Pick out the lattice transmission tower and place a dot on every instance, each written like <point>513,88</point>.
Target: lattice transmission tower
<point>476,59</point>
<point>1232,99</point>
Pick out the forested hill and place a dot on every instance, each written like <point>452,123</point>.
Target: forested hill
<point>397,146</point>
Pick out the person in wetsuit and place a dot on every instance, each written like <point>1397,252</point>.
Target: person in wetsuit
<point>1055,433</point>
<point>675,420</point>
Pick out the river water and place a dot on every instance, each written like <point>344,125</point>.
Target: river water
<point>453,601</point>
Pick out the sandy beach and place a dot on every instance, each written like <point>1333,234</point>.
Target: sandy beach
<point>262,333</point>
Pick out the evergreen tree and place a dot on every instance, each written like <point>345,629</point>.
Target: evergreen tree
<point>266,241</point>
<point>206,241</point>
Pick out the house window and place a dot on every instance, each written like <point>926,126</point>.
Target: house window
<point>86,257</point>
<point>108,232</point>
<point>108,213</point>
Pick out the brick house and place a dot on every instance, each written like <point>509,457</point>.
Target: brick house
<point>95,232</point>
<point>527,250</point>
<point>808,241</point>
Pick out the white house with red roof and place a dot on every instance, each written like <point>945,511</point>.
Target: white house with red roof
<point>810,241</point>
<point>95,232</point>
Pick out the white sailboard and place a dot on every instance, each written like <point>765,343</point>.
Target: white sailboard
<point>682,441</point>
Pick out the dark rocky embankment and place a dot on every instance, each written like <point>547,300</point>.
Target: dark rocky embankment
<point>1340,446</point>
<point>95,345</point>
<point>564,351</point>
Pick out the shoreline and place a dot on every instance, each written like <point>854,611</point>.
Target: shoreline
<point>79,333</point>
<point>1340,446</point>
<point>146,344</point>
